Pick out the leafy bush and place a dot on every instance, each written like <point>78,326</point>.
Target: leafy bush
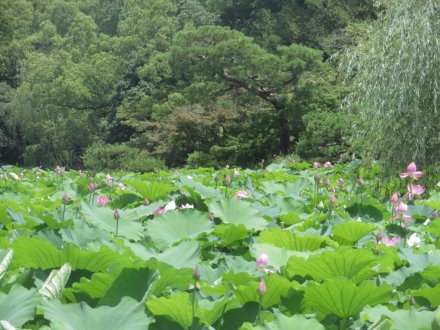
<point>119,157</point>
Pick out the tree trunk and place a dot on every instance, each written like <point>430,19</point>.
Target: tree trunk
<point>283,132</point>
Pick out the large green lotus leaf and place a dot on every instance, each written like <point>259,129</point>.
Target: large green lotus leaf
<point>128,314</point>
<point>277,287</point>
<point>417,263</point>
<point>153,191</point>
<point>342,297</point>
<point>402,319</point>
<point>282,322</point>
<point>39,253</point>
<point>369,209</point>
<point>286,239</point>
<point>294,188</point>
<point>230,234</point>
<point>131,282</point>
<point>125,198</point>
<point>430,293</point>
<point>420,210</point>
<point>288,204</point>
<point>82,234</point>
<point>170,279</point>
<point>173,226</point>
<point>177,307</point>
<point>103,218</point>
<point>18,305</point>
<point>434,227</point>
<point>198,191</point>
<point>352,231</point>
<point>185,254</point>
<point>278,257</point>
<point>210,311</point>
<point>238,212</point>
<point>95,287</point>
<point>357,265</point>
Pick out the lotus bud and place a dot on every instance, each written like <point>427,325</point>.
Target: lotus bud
<point>327,165</point>
<point>211,216</point>
<point>93,186</point>
<point>361,182</point>
<point>340,182</point>
<point>332,201</point>
<point>261,289</point>
<point>262,260</point>
<point>196,273</point>
<point>116,215</point>
<point>66,198</point>
<point>316,178</point>
<point>395,198</point>
<point>317,165</point>
<point>227,180</point>
<point>216,177</point>
<point>328,183</point>
<point>146,202</point>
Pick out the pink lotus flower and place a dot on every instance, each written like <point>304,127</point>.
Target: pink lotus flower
<point>317,165</point>
<point>400,213</point>
<point>401,208</point>
<point>415,190</point>
<point>328,183</point>
<point>242,194</point>
<point>262,261</point>
<point>388,241</point>
<point>93,186</point>
<point>187,206</point>
<point>411,171</point>
<point>159,210</point>
<point>102,200</point>
<point>109,180</point>
<point>261,289</point>
<point>327,165</point>
<point>395,198</point>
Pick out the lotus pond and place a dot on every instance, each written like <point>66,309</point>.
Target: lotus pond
<point>293,246</point>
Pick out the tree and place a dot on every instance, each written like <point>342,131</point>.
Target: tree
<point>395,74</point>
<point>219,60</point>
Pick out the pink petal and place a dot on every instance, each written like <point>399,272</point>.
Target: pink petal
<point>411,168</point>
<point>417,175</point>
<point>403,175</point>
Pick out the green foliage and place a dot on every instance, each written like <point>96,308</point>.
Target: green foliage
<point>395,77</point>
<point>145,276</point>
<point>119,157</point>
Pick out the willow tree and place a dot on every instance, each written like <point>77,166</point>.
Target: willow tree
<point>395,73</point>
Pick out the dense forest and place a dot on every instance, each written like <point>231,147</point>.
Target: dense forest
<point>140,84</point>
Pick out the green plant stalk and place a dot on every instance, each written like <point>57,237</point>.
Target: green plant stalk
<point>194,323</point>
<point>64,211</point>
<point>258,321</point>
<point>117,227</point>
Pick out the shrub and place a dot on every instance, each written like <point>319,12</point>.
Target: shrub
<point>119,157</point>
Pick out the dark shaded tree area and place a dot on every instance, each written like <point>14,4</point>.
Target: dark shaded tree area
<point>204,81</point>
